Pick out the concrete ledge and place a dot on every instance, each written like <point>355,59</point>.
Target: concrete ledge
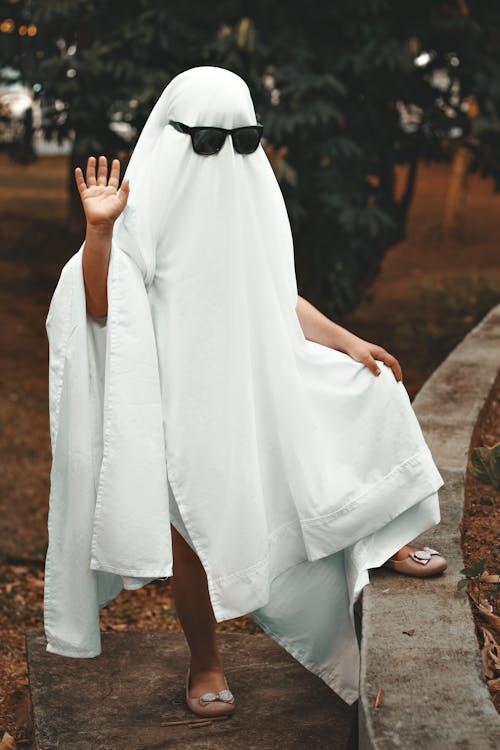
<point>435,694</point>
<point>118,700</point>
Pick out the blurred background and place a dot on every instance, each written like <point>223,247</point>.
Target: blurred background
<point>382,124</point>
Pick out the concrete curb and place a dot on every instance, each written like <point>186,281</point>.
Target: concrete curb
<point>435,694</point>
<point>118,700</point>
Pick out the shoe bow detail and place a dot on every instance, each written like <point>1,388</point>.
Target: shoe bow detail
<point>423,556</point>
<point>223,695</point>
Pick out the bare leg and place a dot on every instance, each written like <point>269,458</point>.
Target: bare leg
<point>192,601</point>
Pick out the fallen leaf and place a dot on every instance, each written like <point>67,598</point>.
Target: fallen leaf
<point>489,577</point>
<point>485,611</point>
<point>37,582</point>
<point>379,698</point>
<point>494,685</point>
<point>409,632</point>
<point>490,655</point>
<point>8,742</point>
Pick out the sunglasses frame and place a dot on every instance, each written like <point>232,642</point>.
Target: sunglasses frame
<point>191,130</point>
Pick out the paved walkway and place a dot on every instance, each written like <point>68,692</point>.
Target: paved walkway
<point>435,695</point>
<point>119,699</point>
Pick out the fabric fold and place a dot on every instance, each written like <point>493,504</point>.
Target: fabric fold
<point>131,534</point>
<point>73,592</point>
<point>287,465</point>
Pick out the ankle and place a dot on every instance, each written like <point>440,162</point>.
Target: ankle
<point>206,665</point>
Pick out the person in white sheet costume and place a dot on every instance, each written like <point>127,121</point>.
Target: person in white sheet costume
<point>190,415</point>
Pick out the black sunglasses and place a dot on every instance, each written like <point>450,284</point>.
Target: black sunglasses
<point>208,140</point>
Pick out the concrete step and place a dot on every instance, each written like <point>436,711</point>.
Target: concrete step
<point>117,700</point>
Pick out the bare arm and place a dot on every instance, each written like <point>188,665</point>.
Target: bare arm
<point>95,263</point>
<point>317,327</point>
<point>102,205</point>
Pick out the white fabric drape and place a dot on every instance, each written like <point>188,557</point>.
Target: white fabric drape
<point>289,467</point>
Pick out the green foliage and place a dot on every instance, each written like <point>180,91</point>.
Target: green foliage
<point>472,574</point>
<point>329,81</point>
<point>445,311</point>
<point>483,588</point>
<point>484,465</point>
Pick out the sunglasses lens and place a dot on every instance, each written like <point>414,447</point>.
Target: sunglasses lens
<point>246,141</point>
<point>207,141</point>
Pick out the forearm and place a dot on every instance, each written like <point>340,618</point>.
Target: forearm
<point>317,327</point>
<point>95,263</point>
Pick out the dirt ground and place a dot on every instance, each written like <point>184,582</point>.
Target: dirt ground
<point>481,533</point>
<point>428,295</point>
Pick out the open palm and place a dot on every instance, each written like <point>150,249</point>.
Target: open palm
<point>102,202</point>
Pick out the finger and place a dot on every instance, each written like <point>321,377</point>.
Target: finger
<point>124,192</point>
<point>398,372</point>
<point>91,171</point>
<point>114,173</point>
<point>392,362</point>
<point>371,364</point>
<point>80,182</point>
<point>102,171</point>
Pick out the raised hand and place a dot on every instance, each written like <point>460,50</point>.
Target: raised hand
<point>101,200</point>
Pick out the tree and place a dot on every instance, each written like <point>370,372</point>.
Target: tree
<point>347,91</point>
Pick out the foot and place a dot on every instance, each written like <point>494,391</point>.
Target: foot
<point>213,702</point>
<point>416,561</point>
<point>403,553</point>
<point>206,679</point>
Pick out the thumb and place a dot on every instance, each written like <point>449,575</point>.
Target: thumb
<point>124,192</point>
<point>372,365</point>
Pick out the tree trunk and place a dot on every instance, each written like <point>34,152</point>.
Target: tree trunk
<point>454,211</point>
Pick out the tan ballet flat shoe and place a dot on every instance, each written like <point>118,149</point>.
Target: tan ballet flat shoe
<point>210,704</point>
<point>421,563</point>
